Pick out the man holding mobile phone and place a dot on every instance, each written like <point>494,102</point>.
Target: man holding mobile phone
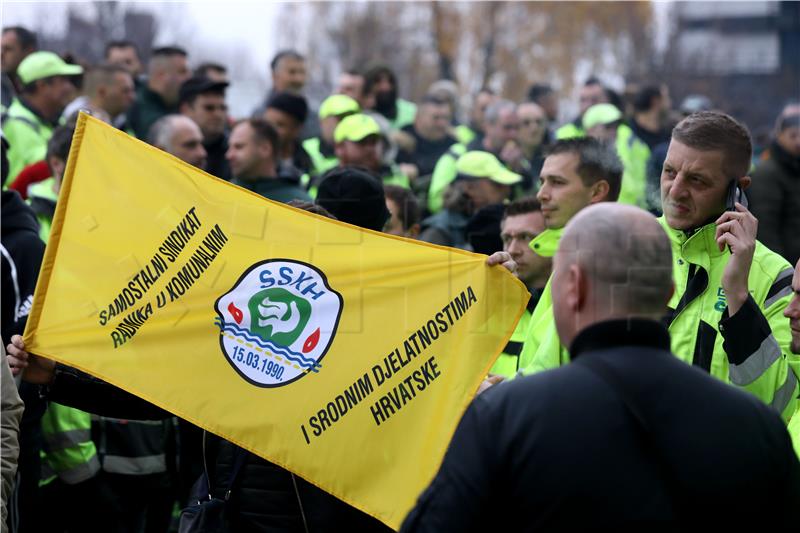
<point>731,291</point>
<point>725,315</point>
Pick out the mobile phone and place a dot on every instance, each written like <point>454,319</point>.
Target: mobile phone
<point>735,194</point>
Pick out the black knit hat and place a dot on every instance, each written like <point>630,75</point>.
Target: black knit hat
<point>197,85</point>
<point>291,104</point>
<point>354,196</point>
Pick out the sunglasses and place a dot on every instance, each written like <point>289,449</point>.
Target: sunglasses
<point>210,108</point>
<point>531,122</point>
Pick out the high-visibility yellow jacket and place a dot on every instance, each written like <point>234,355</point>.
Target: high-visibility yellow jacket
<point>749,350</point>
<point>27,134</point>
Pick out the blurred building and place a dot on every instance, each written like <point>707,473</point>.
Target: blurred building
<point>744,55</point>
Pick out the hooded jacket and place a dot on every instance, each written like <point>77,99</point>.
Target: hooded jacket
<point>775,202</point>
<point>22,253</point>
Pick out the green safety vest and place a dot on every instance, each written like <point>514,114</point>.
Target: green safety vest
<point>633,153</point>
<point>320,163</point>
<point>68,452</point>
<point>541,347</point>
<point>794,431</point>
<point>27,137</point>
<point>443,174</point>
<point>508,364</point>
<point>770,372</point>
<point>406,111</point>
<point>42,199</point>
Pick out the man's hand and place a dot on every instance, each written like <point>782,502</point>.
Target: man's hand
<point>502,258</point>
<point>34,369</point>
<point>737,230</point>
<point>490,381</point>
<point>512,156</point>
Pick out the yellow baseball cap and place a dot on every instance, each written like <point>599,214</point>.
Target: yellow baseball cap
<point>338,105</point>
<point>40,65</point>
<point>600,114</point>
<point>477,164</point>
<point>356,128</point>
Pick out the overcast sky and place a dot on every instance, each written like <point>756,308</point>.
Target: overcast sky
<point>224,31</point>
<point>223,26</point>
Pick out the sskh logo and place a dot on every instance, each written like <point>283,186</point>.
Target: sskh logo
<point>278,322</point>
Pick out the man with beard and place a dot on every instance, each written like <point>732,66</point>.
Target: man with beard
<point>203,101</point>
<point>775,193</point>
<point>380,88</point>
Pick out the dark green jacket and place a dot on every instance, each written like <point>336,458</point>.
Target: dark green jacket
<point>149,107</point>
<point>274,189</point>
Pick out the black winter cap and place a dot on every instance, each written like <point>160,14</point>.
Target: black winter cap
<point>197,85</point>
<point>291,104</point>
<point>354,196</point>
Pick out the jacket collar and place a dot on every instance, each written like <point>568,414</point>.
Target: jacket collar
<point>546,243</point>
<point>618,333</point>
<point>698,246</point>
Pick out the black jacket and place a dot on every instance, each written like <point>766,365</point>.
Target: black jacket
<point>560,450</point>
<point>775,201</point>
<point>265,498</point>
<point>22,253</point>
<point>216,163</point>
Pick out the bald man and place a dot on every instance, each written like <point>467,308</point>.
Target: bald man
<point>616,436</point>
<point>180,136</point>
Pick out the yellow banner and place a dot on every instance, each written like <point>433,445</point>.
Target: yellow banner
<point>345,355</point>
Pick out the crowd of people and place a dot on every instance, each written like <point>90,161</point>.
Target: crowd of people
<point>696,267</point>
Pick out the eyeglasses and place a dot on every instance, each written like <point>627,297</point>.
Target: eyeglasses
<point>210,108</point>
<point>531,122</point>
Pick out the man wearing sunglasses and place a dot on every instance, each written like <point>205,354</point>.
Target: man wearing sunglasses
<point>532,134</point>
<point>203,101</point>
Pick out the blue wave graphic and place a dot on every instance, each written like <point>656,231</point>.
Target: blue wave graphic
<point>295,357</point>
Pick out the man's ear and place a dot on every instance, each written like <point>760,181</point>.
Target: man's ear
<point>745,182</point>
<point>576,288</point>
<point>266,150</point>
<point>600,192</point>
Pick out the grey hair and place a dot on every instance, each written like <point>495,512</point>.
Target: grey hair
<point>496,109</point>
<point>625,254</point>
<point>162,130</point>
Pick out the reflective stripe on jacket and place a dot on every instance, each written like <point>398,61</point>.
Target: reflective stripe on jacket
<point>68,450</point>
<point>750,349</point>
<point>27,136</point>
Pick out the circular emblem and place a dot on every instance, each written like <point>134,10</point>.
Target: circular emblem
<point>278,321</point>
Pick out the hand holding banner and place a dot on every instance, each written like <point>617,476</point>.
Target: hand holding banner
<point>344,355</point>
